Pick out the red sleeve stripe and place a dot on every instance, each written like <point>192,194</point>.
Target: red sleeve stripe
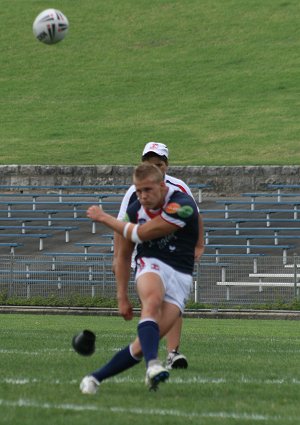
<point>181,188</point>
<point>175,221</point>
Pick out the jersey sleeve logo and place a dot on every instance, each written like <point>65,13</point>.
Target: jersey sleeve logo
<point>183,211</point>
<point>126,218</point>
<point>172,208</point>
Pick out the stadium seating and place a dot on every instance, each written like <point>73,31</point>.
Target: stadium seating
<point>98,197</point>
<point>283,186</point>
<point>253,203</point>
<point>25,228</point>
<point>256,230</point>
<point>232,235</point>
<point>250,237</point>
<point>87,245</point>
<point>74,204</point>
<point>293,213</point>
<point>40,236</point>
<point>259,284</point>
<point>248,248</point>
<point>10,245</point>
<point>279,196</point>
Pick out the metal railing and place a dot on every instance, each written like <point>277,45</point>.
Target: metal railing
<point>226,281</point>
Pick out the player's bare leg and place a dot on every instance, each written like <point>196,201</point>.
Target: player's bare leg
<point>175,360</point>
<point>151,293</point>
<point>157,318</point>
<point>155,314</point>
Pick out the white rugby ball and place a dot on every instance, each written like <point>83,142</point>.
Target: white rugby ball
<point>50,26</point>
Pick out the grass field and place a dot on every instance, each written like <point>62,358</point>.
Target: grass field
<point>218,81</point>
<point>240,372</point>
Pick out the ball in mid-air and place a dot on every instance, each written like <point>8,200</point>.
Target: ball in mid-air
<point>84,343</point>
<point>50,26</point>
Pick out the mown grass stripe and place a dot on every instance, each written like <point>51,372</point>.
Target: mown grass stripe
<point>23,403</point>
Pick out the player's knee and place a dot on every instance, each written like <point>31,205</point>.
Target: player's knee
<point>152,307</point>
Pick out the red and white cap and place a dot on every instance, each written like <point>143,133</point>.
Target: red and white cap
<point>157,148</point>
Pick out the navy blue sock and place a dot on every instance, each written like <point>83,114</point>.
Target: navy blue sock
<point>121,361</point>
<point>148,332</point>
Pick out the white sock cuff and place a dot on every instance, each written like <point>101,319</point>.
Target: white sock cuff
<point>147,319</point>
<point>137,358</point>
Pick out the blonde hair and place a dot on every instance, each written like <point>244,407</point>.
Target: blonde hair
<point>147,170</point>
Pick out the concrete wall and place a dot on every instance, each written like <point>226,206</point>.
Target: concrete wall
<point>224,180</point>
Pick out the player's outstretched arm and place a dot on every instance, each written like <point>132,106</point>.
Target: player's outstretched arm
<point>127,198</point>
<point>153,229</point>
<point>117,241</point>
<point>122,273</point>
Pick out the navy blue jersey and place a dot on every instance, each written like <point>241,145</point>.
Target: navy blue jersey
<point>178,248</point>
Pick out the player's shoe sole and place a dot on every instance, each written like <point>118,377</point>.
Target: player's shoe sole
<point>89,385</point>
<point>155,374</point>
<point>176,361</point>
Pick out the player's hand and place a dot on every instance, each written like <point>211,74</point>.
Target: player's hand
<point>95,213</point>
<point>125,308</point>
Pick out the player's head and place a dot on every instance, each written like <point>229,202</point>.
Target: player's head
<point>157,154</point>
<point>149,185</point>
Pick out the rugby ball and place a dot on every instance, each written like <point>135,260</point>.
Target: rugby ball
<point>50,26</point>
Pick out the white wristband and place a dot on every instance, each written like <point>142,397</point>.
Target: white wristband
<point>125,230</point>
<point>134,235</point>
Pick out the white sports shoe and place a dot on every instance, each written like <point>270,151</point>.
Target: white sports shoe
<point>89,385</point>
<point>155,374</point>
<point>176,360</point>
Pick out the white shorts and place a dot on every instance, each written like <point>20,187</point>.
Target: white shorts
<point>177,285</point>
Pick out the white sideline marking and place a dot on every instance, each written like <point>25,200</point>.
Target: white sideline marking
<point>56,351</point>
<point>51,351</point>
<point>34,353</point>
<point>23,403</point>
<point>30,381</point>
<point>206,380</point>
<point>175,380</point>
<point>46,351</point>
